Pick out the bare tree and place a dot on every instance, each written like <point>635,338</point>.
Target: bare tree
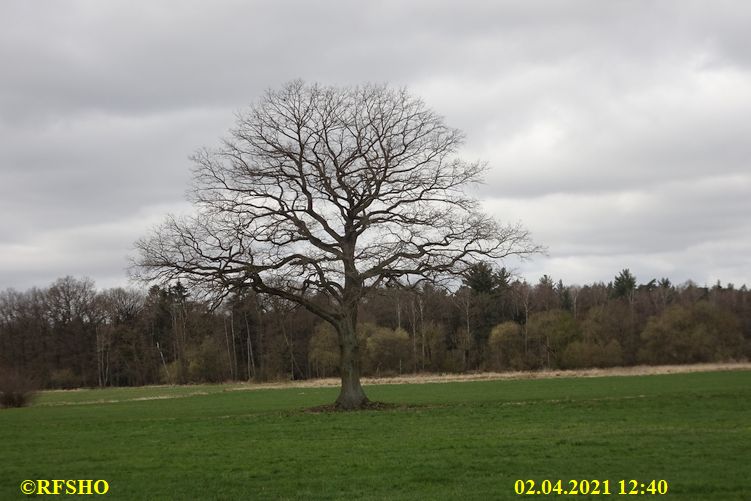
<point>320,195</point>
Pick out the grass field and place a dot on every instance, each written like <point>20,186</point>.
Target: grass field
<point>463,440</point>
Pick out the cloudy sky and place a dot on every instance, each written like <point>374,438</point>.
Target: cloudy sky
<point>618,132</point>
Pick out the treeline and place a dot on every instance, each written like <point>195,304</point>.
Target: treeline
<point>70,335</point>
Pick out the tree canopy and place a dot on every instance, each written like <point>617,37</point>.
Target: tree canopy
<point>319,195</point>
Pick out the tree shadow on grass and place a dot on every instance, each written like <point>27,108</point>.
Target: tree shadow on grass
<point>368,406</point>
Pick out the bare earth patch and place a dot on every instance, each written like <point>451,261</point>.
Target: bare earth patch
<point>369,406</point>
<point>640,370</point>
<point>115,400</point>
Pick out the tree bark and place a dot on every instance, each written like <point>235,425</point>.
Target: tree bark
<point>351,395</point>
<point>284,217</point>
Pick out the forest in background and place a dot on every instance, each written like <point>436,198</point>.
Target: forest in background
<point>72,335</point>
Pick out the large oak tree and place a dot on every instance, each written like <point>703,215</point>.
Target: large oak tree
<point>319,195</point>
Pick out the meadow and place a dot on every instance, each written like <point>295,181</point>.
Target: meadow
<point>458,440</point>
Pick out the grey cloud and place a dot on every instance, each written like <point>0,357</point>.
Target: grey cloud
<point>684,229</point>
<point>91,167</point>
<point>576,106</point>
<point>114,56</point>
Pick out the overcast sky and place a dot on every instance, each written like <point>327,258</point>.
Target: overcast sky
<point>618,132</point>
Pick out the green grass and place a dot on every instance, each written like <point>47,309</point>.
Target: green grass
<point>469,440</point>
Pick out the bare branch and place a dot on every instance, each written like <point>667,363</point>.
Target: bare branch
<point>321,194</point>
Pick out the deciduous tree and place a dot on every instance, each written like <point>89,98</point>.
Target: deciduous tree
<point>319,195</point>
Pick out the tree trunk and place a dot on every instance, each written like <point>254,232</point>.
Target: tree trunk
<point>234,344</point>
<point>351,395</point>
<point>229,354</point>
<point>251,358</point>
<point>414,336</point>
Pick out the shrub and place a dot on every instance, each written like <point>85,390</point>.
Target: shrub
<point>436,352</point>
<point>323,352</point>
<point>549,332</point>
<point>506,347</point>
<point>582,354</point>
<point>16,389</point>
<point>207,362</point>
<point>169,374</point>
<point>613,322</point>
<point>64,379</point>
<point>388,351</point>
<point>701,332</point>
